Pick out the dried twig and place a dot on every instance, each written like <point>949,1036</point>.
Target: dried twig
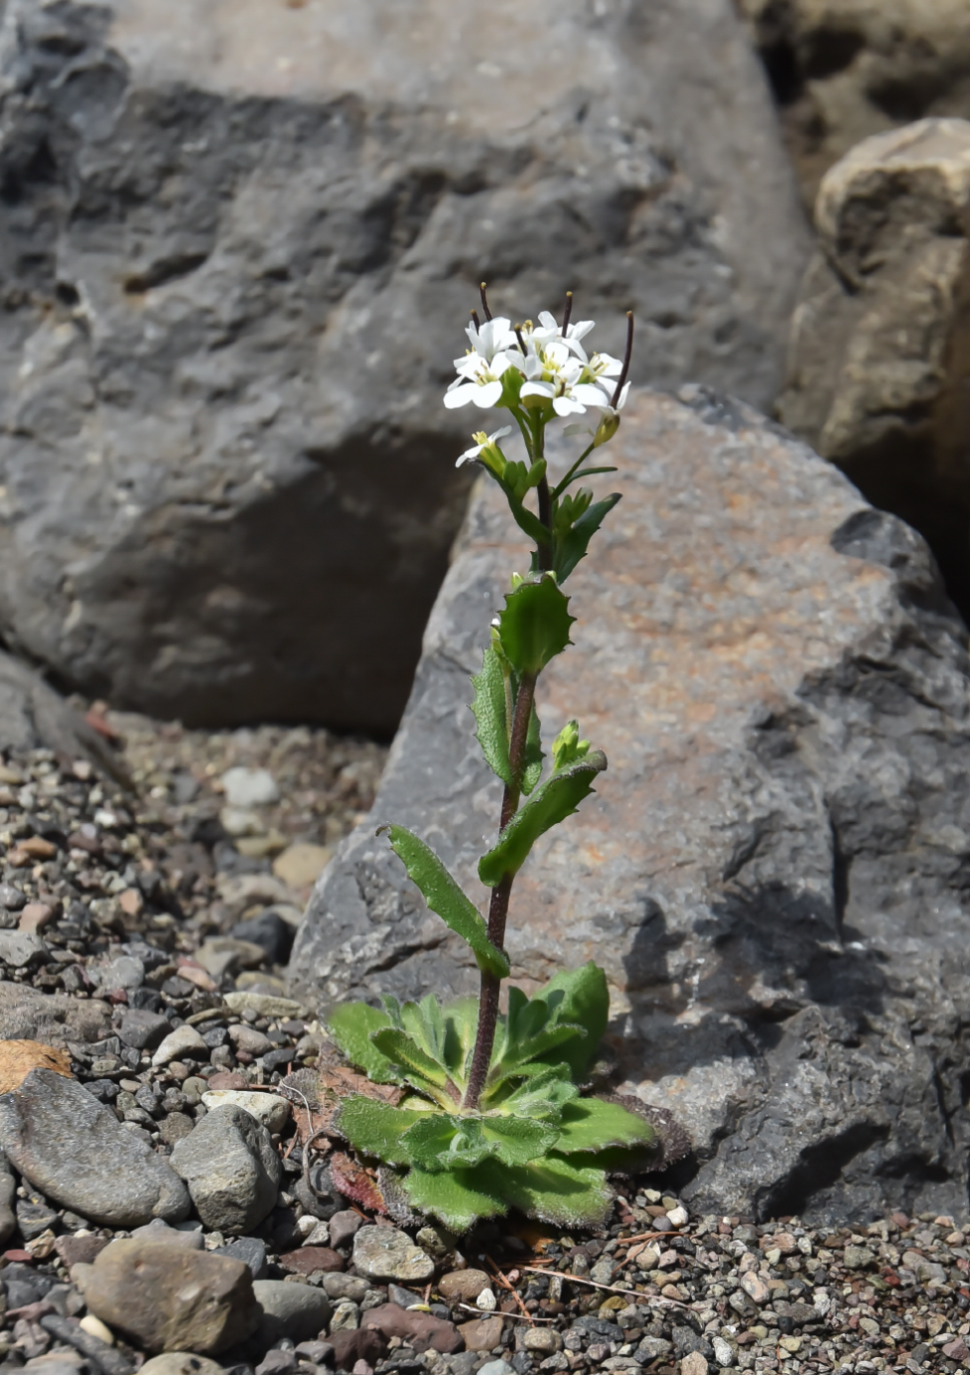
<point>611,1288</point>
<point>506,1284</point>
<point>513,1317</point>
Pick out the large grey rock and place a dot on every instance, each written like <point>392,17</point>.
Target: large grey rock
<point>773,870</point>
<point>844,70</point>
<point>296,1311</point>
<point>239,247</point>
<point>879,353</point>
<point>33,715</point>
<point>231,1168</point>
<point>78,1154</point>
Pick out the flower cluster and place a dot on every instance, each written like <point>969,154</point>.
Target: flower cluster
<point>537,372</point>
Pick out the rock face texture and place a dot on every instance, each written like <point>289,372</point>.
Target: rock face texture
<point>32,716</point>
<point>774,869</point>
<point>843,70</point>
<point>238,245</point>
<point>879,355</point>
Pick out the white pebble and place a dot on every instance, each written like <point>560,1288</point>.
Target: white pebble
<point>267,1108</point>
<point>486,1300</point>
<point>94,1327</point>
<point>678,1216</point>
<point>179,1042</point>
<point>250,787</point>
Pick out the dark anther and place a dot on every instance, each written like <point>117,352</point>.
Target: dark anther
<point>569,311</point>
<point>488,313</point>
<point>626,359</point>
<point>475,319</point>
<point>518,335</point>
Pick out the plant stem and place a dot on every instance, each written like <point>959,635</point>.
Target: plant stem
<point>498,908</point>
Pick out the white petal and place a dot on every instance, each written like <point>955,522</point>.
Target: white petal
<point>591,395</point>
<point>460,396</point>
<point>500,434</point>
<point>564,405</point>
<point>538,389</point>
<point>500,363</point>
<point>487,396</point>
<point>576,428</point>
<point>548,320</point>
<point>623,395</point>
<point>580,329</point>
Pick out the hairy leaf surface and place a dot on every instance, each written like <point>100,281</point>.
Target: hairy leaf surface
<point>590,1124</point>
<point>375,1128</point>
<point>551,803</point>
<point>571,546</point>
<point>351,1025</point>
<point>534,627</point>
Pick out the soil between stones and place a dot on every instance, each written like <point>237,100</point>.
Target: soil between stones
<point>134,903</point>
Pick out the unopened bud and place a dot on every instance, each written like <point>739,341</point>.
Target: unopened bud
<point>607,428</point>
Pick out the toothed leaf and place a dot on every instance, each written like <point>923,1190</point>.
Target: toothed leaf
<point>351,1025</point>
<point>375,1128</point>
<point>457,1199</point>
<point>405,1052</point>
<point>551,803</point>
<point>590,1124</point>
<point>557,1191</point>
<point>444,896</point>
<point>446,1142</point>
<point>577,997</point>
<point>491,713</point>
<point>534,627</point>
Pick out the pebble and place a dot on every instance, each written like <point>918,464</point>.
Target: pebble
<point>298,1312</point>
<point>386,1253</point>
<point>312,1260</point>
<point>94,1327</point>
<point>143,1288</point>
<point>180,1363</point>
<point>184,1043</point>
<point>231,1168</point>
<point>189,1236</point>
<point>498,1367</point>
<point>482,1334</point>
<point>693,1364</point>
<point>78,1154</point>
<point>250,1250</point>
<point>301,864</point>
<point>464,1285</point>
<point>18,948</point>
<point>249,787</point>
<point>755,1287</point>
<point>542,1339</point>
<point>143,1030</point>
<point>344,1225</point>
<point>269,1109</point>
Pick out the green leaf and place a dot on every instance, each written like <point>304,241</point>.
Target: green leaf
<point>557,1191</point>
<point>534,627</point>
<point>590,1124</point>
<point>461,1028</point>
<point>443,895</point>
<point>491,712</point>
<point>375,1128</point>
<point>578,997</point>
<point>351,1025</point>
<point>457,1198</point>
<point>515,1054</point>
<point>447,1142</point>
<point>572,545</point>
<point>541,1096</point>
<point>404,1051</point>
<point>551,803</point>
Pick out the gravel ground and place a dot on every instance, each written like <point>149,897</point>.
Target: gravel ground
<point>176,903</point>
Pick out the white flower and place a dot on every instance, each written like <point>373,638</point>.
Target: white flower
<point>484,442</point>
<point>481,368</point>
<point>549,331</point>
<point>554,373</point>
<point>609,421</point>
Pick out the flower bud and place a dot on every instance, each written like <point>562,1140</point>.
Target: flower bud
<point>607,428</point>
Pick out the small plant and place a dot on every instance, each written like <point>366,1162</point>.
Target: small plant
<point>491,1113</point>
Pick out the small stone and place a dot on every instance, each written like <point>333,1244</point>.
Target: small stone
<point>386,1253</point>
<point>125,972</point>
<point>486,1301</point>
<point>249,787</point>
<point>270,932</point>
<point>301,865</point>
<point>35,916</point>
<point>143,1030</point>
<point>18,1058</point>
<point>542,1339</point>
<point>498,1368</point>
<point>464,1285</point>
<point>184,1043</point>
<point>755,1287</point>
<point>678,1216</point>
<point>957,1350</point>
<point>311,1260</point>
<point>263,1004</point>
<point>346,1317</point>
<point>221,955</point>
<point>269,1109</point>
<point>857,1257</point>
<point>180,1363</point>
<point>80,1250</point>
<point>175,1127</point>
<point>296,1311</point>
<point>790,1344</point>
<point>353,1349</point>
<point>249,1040</point>
<point>320,1236</point>
<point>71,1148</point>
<point>250,1250</point>
<point>11,897</point>
<point>340,1286</point>
<point>94,1327</point>
<point>482,1334</point>
<point>723,1352</point>
<point>693,1364</point>
<point>422,1331</point>
<point>231,1168</point>
<point>344,1225</point>
<point>18,948</point>
<point>170,1299</point>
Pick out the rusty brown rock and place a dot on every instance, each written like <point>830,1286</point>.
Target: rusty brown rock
<point>422,1331</point>
<point>879,354</point>
<point>311,1260</point>
<point>18,1058</point>
<point>784,698</point>
<point>168,1298</point>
